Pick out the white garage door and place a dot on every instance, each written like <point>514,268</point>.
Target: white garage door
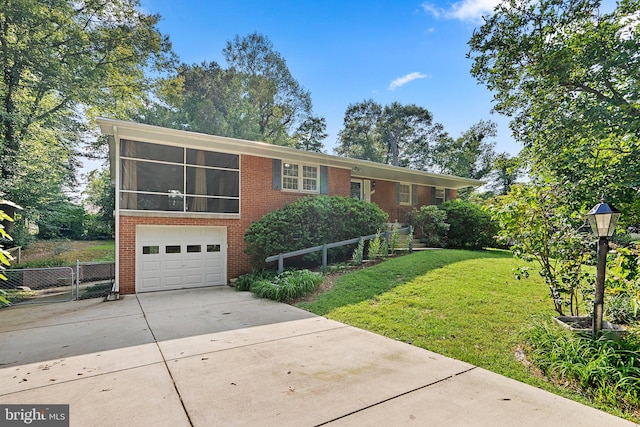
<point>171,257</point>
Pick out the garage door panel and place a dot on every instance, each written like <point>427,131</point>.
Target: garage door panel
<point>173,264</point>
<point>172,282</point>
<point>194,263</point>
<point>153,283</point>
<point>197,257</point>
<point>150,266</point>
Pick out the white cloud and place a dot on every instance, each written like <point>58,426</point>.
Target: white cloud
<point>464,10</point>
<point>433,9</point>
<point>401,81</point>
<point>472,10</point>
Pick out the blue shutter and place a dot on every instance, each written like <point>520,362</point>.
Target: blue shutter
<point>276,175</point>
<point>324,180</point>
<point>414,194</point>
<point>433,195</point>
<point>397,193</point>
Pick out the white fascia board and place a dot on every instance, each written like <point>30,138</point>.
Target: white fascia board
<point>359,168</point>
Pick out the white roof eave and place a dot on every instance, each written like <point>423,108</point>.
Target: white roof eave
<point>359,168</point>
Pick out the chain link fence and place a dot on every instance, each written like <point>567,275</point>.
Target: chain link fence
<point>94,279</point>
<point>30,285</point>
<point>58,284</point>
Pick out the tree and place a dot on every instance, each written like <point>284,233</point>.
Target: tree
<point>309,134</point>
<point>44,171</point>
<point>540,228</point>
<point>63,62</point>
<point>100,196</point>
<point>255,98</point>
<point>204,98</point>
<point>407,132</point>
<point>279,100</point>
<point>470,155</point>
<point>60,55</point>
<point>569,77</point>
<point>360,137</point>
<point>506,170</point>
<point>395,134</point>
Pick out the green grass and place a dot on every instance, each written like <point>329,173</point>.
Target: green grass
<point>462,304</point>
<point>56,253</point>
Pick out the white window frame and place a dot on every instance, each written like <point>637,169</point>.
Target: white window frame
<point>400,193</point>
<point>288,180</point>
<point>179,194</point>
<point>300,179</point>
<point>440,199</point>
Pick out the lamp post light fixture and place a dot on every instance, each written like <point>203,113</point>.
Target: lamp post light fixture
<point>603,220</point>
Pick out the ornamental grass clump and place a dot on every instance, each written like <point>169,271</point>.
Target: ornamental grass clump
<point>246,281</point>
<point>605,370</point>
<point>288,285</point>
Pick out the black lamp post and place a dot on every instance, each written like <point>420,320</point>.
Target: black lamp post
<point>603,219</point>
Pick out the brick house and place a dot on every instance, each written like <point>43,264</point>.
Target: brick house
<point>185,199</point>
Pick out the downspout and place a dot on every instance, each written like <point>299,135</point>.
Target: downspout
<point>115,289</point>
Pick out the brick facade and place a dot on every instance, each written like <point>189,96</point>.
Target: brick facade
<point>257,198</point>
<point>385,197</point>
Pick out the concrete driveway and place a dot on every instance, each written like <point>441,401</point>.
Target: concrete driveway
<point>216,357</point>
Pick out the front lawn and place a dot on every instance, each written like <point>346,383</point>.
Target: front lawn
<point>462,304</point>
<point>62,252</point>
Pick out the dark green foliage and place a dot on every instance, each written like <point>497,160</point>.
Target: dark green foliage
<point>470,226</point>
<point>288,285</point>
<point>607,371</point>
<point>395,134</point>
<point>96,228</point>
<point>622,285</point>
<point>64,63</point>
<point>626,239</point>
<point>244,282</point>
<point>309,222</point>
<point>20,233</point>
<point>619,309</point>
<point>63,219</point>
<point>100,195</point>
<point>456,224</point>
<point>430,225</point>
<point>563,71</point>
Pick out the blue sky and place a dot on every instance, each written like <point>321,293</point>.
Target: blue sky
<point>348,51</point>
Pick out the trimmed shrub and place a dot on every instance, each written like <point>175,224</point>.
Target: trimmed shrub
<point>309,222</point>
<point>288,285</point>
<point>429,225</point>
<point>470,227</point>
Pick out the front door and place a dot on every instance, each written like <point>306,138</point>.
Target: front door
<point>361,189</point>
